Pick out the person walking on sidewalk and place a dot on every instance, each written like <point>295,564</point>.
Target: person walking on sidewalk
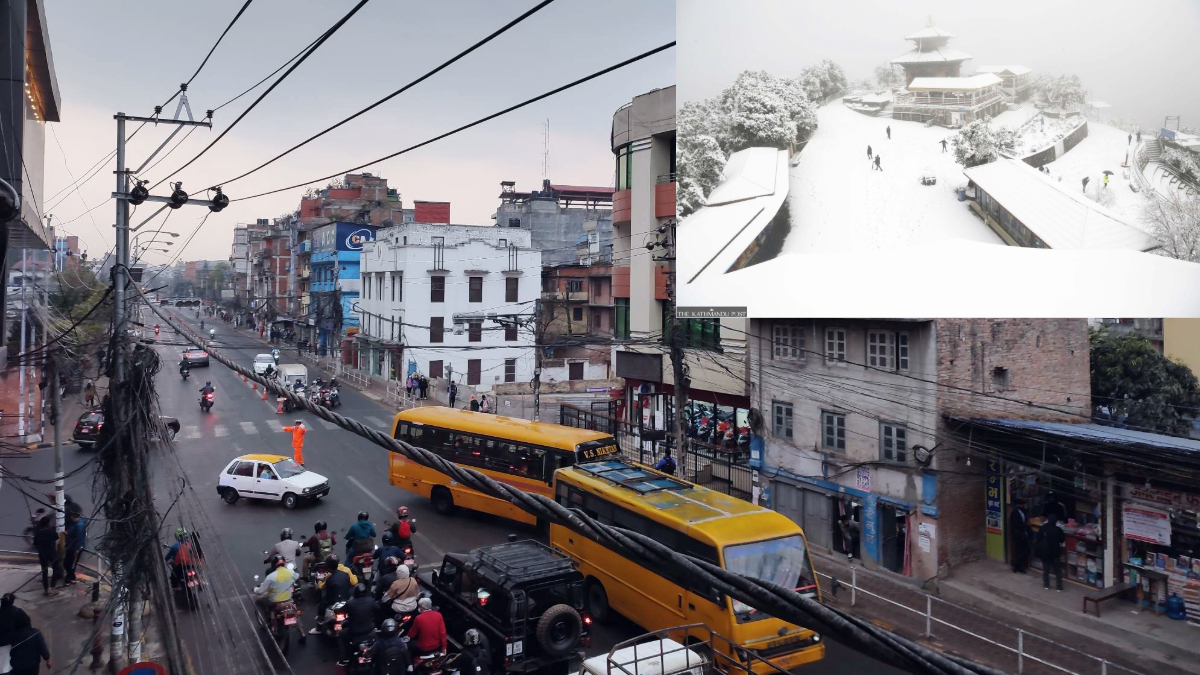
<point>484,406</point>
<point>423,385</point>
<point>76,541</point>
<point>1018,526</point>
<point>297,431</point>
<point>1050,551</point>
<point>28,647</point>
<point>8,622</point>
<point>453,393</point>
<point>474,404</point>
<point>89,394</point>
<point>45,540</point>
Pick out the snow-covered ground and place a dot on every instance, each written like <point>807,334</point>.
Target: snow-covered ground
<point>839,203</point>
<point>1105,148</point>
<point>1013,119</point>
<point>1040,135</point>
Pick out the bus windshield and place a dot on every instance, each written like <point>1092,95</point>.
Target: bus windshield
<point>783,561</point>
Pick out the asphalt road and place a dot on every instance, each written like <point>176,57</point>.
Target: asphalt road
<point>240,423</point>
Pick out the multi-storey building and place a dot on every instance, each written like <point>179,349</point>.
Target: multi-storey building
<point>859,420</point>
<point>576,309</point>
<point>569,223</point>
<point>245,237</point>
<point>334,280</point>
<point>449,301</point>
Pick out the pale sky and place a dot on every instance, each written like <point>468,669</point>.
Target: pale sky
<point>1139,57</point>
<point>131,56</point>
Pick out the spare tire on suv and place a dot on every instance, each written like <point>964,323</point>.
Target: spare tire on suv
<point>559,630</point>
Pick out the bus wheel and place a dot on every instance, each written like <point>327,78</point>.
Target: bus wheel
<point>443,503</point>
<point>597,599</point>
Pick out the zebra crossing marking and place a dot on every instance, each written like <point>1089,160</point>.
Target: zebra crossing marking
<point>221,431</point>
<point>190,432</point>
<point>248,428</point>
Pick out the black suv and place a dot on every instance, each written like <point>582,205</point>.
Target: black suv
<point>527,600</point>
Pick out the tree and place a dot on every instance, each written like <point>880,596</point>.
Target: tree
<point>1135,386</point>
<point>979,143</point>
<point>1064,91</point>
<point>758,115</point>
<point>699,163</point>
<point>822,80</point>
<point>1175,223</point>
<point>888,75</point>
<point>1183,161</point>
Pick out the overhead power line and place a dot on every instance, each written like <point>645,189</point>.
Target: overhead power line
<point>218,42</point>
<point>394,94</point>
<point>476,123</point>
<point>316,45</point>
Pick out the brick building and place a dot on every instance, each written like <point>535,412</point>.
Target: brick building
<point>577,304</point>
<point>858,422</point>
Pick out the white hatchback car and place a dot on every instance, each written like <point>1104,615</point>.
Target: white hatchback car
<point>261,361</point>
<point>271,477</point>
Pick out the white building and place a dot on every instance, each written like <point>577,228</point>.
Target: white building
<point>447,299</point>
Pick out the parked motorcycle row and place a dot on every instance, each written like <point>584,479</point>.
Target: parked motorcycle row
<point>716,427</point>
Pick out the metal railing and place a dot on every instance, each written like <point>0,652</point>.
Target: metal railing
<point>1029,649</point>
<point>665,178</point>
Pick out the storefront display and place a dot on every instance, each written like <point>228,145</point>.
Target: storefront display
<point>1161,534</point>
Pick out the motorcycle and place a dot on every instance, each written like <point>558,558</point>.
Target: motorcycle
<point>363,566</point>
<point>184,372</point>
<point>206,401</point>
<point>275,355</point>
<point>743,439</point>
<point>335,621</point>
<point>427,664</point>
<point>284,616</point>
<point>187,585</point>
<point>360,661</point>
<point>325,398</point>
<point>335,398</point>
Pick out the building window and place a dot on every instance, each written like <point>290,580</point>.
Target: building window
<point>510,333</point>
<point>834,425</point>
<point>475,332</point>
<point>397,286</point>
<point>475,292</point>
<point>1000,379</point>
<point>621,331</point>
<point>698,333</point>
<point>367,285</point>
<point>881,349</point>
<point>574,285</point>
<point>510,370</point>
<point>901,351</point>
<point>435,369</point>
<point>782,415</point>
<point>575,370</point>
<point>577,314</point>
<point>379,285</point>
<point>437,289</point>
<point>624,168</point>
<point>503,243</point>
<point>835,345</point>
<point>510,289</point>
<point>788,340</point>
<point>893,442</point>
<point>473,371</point>
<point>437,329</point>
<point>439,241</point>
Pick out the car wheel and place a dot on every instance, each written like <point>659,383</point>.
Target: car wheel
<point>443,503</point>
<point>597,599</point>
<point>290,500</point>
<point>230,496</point>
<point>559,630</point>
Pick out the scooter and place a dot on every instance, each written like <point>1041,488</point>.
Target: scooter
<point>206,401</point>
<point>360,660</point>
<point>187,586</point>
<point>428,664</point>
<point>184,372</point>
<point>333,626</point>
<point>284,616</point>
<point>363,566</point>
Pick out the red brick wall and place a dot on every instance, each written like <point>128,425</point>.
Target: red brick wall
<point>431,212</point>
<point>1048,364</point>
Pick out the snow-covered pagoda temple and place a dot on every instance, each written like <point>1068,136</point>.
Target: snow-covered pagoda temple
<point>1016,81</point>
<point>930,57</point>
<point>950,101</point>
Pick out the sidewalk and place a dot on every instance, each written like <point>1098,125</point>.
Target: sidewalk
<point>1005,620</point>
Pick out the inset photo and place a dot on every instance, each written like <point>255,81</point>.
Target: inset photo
<point>962,160</point>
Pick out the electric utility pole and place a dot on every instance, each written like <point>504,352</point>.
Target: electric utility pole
<point>537,360</point>
<point>678,359</point>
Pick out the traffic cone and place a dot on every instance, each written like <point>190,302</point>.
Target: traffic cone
<point>253,386</point>
<point>264,393</point>
<point>279,409</point>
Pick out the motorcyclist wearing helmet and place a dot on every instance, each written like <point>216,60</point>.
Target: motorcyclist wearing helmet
<point>184,366</point>
<point>360,619</point>
<point>389,655</point>
<point>476,655</point>
<point>287,547</point>
<point>360,537</point>
<point>335,589</point>
<point>401,596</point>
<point>387,574</point>
<point>319,546</point>
<point>185,552</point>
<point>207,388</point>
<point>212,334</point>
<point>387,549</point>
<point>403,529</point>
<point>276,587</point>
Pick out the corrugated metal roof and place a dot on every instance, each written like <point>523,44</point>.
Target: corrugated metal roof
<point>933,56</point>
<point>971,83</point>
<point>1095,433</point>
<point>1057,215</point>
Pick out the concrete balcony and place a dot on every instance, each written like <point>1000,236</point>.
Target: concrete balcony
<point>664,198</point>
<point>564,296</point>
<point>622,206</point>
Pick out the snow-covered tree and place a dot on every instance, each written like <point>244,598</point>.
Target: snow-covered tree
<point>1175,223</point>
<point>1064,91</point>
<point>1182,160</point>
<point>822,80</point>
<point>888,75</point>
<point>761,111</point>
<point>698,166</point>
<point>978,143</point>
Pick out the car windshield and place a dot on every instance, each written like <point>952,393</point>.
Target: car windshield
<point>287,468</point>
<point>783,561</point>
<point>91,418</point>
<point>264,358</point>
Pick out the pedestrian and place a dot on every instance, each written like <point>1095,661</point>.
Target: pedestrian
<point>889,130</point>
<point>943,145</point>
<point>1139,135</point>
<point>877,156</point>
<point>297,431</point>
<point>423,385</point>
<point>1085,182</point>
<point>89,394</point>
<point>28,647</point>
<point>408,385</point>
<point>868,153</point>
<point>1105,181</point>
<point>8,622</point>
<point>1053,507</point>
<point>1130,139</point>
<point>474,404</point>
<point>484,407</point>
<point>666,464</point>
<point>1049,550</point>
<point>850,531</point>
<point>1018,528</point>
<point>45,540</point>
<point>76,541</point>
<point>453,393</point>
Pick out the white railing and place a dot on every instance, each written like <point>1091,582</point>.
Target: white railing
<point>911,99</point>
<point>1020,650</point>
<point>398,396</point>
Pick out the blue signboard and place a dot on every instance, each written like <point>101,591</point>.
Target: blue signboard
<point>757,449</point>
<point>870,527</point>
<point>352,236</point>
<point>995,505</point>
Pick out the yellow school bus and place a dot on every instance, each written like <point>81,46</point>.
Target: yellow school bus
<point>735,534</point>
<point>519,452</point>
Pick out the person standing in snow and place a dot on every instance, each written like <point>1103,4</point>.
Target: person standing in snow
<point>868,153</point>
<point>1130,138</point>
<point>1085,182</point>
<point>877,156</point>
<point>1139,135</point>
<point>1105,181</point>
<point>943,145</point>
<point>889,130</point>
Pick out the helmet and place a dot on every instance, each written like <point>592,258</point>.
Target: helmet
<point>181,533</point>
<point>472,637</point>
<point>285,534</point>
<point>360,590</point>
<point>391,561</point>
<point>278,561</point>
<point>402,512</point>
<point>207,383</point>
<point>387,538</point>
<point>362,515</point>
<point>320,525</point>
<point>389,627</point>
<point>331,561</point>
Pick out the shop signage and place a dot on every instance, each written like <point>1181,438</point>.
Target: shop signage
<point>1179,500</point>
<point>995,503</point>
<point>862,478</point>
<point>870,526</point>
<point>1146,524</point>
<point>925,531</point>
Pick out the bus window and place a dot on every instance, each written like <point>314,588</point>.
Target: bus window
<point>599,509</point>
<point>401,430</point>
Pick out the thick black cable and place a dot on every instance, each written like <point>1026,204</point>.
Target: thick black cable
<point>317,45</point>
<point>783,603</point>
<point>477,122</point>
<point>396,93</point>
<point>218,42</point>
